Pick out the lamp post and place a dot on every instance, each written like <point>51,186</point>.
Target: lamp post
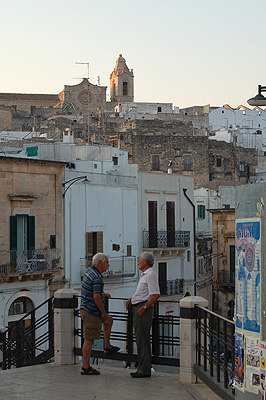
<point>72,181</point>
<point>259,99</point>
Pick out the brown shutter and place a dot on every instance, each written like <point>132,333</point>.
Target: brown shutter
<point>99,242</point>
<point>89,248</point>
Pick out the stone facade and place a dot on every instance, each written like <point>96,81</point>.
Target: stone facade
<point>28,102</point>
<point>32,188</point>
<point>5,117</point>
<point>223,223</point>
<point>121,82</point>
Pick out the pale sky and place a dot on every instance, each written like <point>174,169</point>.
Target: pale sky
<point>188,52</point>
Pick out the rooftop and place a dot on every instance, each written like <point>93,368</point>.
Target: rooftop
<point>40,382</point>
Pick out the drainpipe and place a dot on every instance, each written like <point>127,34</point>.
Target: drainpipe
<point>194,234</point>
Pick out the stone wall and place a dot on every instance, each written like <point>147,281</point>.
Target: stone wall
<point>5,117</point>
<point>25,102</point>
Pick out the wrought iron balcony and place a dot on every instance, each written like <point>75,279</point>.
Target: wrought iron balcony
<point>162,239</point>
<point>119,267</point>
<point>29,261</point>
<point>225,278</point>
<point>172,287</point>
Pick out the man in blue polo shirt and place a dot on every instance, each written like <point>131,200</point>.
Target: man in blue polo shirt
<point>93,313</point>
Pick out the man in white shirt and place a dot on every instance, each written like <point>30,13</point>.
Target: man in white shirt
<point>147,293</point>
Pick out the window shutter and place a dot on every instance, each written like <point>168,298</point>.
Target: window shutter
<point>13,232</point>
<point>99,242</point>
<point>203,212</point>
<point>31,232</point>
<point>89,247</point>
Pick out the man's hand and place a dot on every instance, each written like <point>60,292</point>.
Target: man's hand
<point>107,295</point>
<point>128,303</point>
<point>141,311</point>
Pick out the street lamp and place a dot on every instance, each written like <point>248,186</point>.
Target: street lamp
<point>259,99</point>
<point>212,256</point>
<point>72,181</point>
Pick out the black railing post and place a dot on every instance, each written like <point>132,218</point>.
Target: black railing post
<point>18,346</point>
<point>106,304</point>
<point>155,331</point>
<point>50,323</point>
<point>4,349</point>
<point>218,350</point>
<point>33,329</point>
<point>211,328</point>
<point>225,355</point>
<point>130,330</point>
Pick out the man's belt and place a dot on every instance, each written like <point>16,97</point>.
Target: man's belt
<point>140,303</point>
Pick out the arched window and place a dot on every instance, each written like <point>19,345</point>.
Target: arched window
<point>22,305</point>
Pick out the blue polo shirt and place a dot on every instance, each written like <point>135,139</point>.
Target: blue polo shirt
<point>92,283</point>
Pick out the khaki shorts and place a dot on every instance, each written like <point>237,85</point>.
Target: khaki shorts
<point>91,325</point>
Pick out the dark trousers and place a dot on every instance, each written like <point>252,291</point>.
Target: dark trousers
<point>142,326</point>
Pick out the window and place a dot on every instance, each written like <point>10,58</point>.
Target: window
<point>115,160</point>
<point>95,166</point>
<point>162,277</point>
<point>129,250</point>
<point>188,256</point>
<point>187,162</point>
<point>159,109</point>
<point>52,241</point>
<point>124,88</point>
<point>94,243</point>
<point>201,211</point>
<point>218,162</point>
<point>155,162</point>
<point>22,232</point>
<point>22,305</point>
<point>170,223</point>
<point>152,213</point>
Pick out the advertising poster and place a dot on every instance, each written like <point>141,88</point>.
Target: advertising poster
<point>239,367</point>
<point>262,368</point>
<point>253,363</point>
<point>248,249</point>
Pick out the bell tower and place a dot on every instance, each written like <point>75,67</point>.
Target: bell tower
<point>122,82</point>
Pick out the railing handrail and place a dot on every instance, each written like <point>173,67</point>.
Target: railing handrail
<point>215,314</point>
<point>126,298</point>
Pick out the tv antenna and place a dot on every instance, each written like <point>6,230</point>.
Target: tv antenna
<point>88,66</point>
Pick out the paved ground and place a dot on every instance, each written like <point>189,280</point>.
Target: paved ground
<point>50,382</point>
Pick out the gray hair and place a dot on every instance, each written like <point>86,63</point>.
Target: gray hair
<point>148,257</point>
<point>98,257</point>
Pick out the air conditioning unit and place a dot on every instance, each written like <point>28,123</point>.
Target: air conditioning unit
<point>19,308</point>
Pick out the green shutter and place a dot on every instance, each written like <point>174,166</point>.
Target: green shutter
<point>32,151</point>
<point>13,232</point>
<point>203,212</point>
<point>52,241</point>
<point>31,232</point>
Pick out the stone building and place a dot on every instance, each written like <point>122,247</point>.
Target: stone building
<point>6,114</point>
<point>31,236</point>
<point>121,82</point>
<point>223,223</point>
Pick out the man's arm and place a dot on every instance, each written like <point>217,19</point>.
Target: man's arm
<point>98,301</point>
<point>148,304</point>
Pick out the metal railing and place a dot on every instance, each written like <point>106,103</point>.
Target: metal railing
<point>29,341</point>
<point>215,350</point>
<point>172,287</point>
<point>27,261</point>
<point>119,267</point>
<point>165,338</point>
<point>162,239</point>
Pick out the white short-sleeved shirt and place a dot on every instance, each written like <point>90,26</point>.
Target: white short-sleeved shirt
<point>147,286</point>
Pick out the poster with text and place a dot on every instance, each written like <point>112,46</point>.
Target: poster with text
<point>239,367</point>
<point>252,362</point>
<point>248,259</point>
<point>262,367</point>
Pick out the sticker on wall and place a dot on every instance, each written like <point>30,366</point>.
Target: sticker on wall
<point>262,368</point>
<point>253,363</point>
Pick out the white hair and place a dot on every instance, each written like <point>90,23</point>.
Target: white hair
<point>98,257</point>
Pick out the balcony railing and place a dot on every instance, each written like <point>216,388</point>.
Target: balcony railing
<point>172,287</point>
<point>119,267</point>
<point>226,278</point>
<point>161,239</point>
<point>28,261</point>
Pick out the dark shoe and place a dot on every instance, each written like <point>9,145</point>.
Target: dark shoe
<point>138,375</point>
<point>89,371</point>
<point>111,350</point>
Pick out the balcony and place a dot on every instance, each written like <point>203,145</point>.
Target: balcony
<point>226,278</point>
<point>119,267</point>
<point>162,240</point>
<point>172,287</point>
<point>16,262</point>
